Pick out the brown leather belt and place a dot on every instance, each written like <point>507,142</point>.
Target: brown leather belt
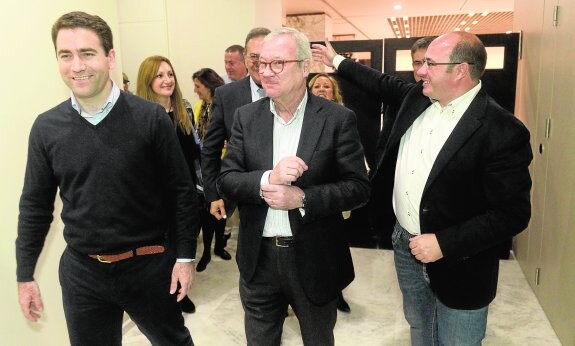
<point>141,251</point>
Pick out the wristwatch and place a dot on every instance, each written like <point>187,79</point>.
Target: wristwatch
<point>303,201</point>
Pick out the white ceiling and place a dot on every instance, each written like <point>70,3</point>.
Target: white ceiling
<point>367,19</point>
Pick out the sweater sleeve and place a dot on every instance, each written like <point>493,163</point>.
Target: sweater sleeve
<point>36,206</point>
<point>179,187</point>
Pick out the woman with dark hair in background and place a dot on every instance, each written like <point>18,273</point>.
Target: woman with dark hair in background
<point>206,81</point>
<point>157,82</point>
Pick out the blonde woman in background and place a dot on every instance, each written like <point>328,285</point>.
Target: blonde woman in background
<point>157,82</point>
<point>326,86</point>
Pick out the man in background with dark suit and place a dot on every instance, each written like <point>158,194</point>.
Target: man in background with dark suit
<point>226,99</point>
<point>294,163</point>
<point>455,172</point>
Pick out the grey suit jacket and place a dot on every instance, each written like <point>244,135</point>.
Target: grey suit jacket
<point>336,180</point>
<point>227,99</point>
<point>478,191</point>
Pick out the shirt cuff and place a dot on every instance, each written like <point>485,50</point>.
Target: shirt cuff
<point>337,60</point>
<point>264,181</point>
<point>185,260</point>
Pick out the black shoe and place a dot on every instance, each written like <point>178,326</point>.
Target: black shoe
<point>342,304</point>
<point>223,254</point>
<point>203,263</point>
<point>187,305</point>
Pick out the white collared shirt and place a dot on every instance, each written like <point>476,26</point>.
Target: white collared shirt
<point>94,119</point>
<point>254,89</point>
<point>285,143</point>
<point>418,150</point>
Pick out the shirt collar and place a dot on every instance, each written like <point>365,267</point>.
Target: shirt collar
<point>106,107</point>
<point>300,110</point>
<point>462,101</point>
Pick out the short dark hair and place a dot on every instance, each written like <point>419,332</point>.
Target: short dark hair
<point>470,49</point>
<point>235,48</point>
<point>78,19</point>
<point>255,32</point>
<point>421,43</point>
<point>209,78</point>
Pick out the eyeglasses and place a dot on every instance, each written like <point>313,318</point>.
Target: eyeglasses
<point>277,66</point>
<point>431,64</point>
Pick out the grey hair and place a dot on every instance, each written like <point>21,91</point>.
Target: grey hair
<point>301,40</point>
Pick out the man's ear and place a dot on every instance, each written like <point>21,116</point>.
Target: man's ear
<point>306,66</point>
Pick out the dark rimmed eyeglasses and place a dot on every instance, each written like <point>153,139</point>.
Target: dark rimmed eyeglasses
<point>431,64</point>
<point>277,66</point>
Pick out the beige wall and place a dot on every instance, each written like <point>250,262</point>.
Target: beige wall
<point>545,93</point>
<point>192,33</point>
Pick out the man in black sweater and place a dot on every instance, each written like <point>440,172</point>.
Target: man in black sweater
<point>123,183</point>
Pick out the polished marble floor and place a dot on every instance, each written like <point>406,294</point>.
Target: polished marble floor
<point>515,317</point>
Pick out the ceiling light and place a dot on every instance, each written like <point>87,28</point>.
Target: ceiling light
<point>485,13</point>
<point>471,14</point>
<point>463,22</point>
<point>474,22</point>
<point>467,29</point>
<point>457,29</point>
<point>397,7</point>
<point>405,19</point>
<point>509,31</point>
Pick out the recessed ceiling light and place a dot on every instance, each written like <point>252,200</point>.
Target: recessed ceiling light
<point>471,14</point>
<point>474,22</point>
<point>406,18</point>
<point>463,22</point>
<point>484,13</point>
<point>467,29</point>
<point>397,7</point>
<point>457,29</point>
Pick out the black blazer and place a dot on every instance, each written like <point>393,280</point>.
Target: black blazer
<point>227,99</point>
<point>336,180</point>
<point>478,191</point>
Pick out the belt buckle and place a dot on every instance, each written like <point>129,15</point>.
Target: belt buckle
<point>102,259</point>
<point>278,244</point>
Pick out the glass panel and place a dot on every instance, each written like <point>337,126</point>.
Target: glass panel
<point>495,59</point>
<point>363,58</point>
<point>403,60</point>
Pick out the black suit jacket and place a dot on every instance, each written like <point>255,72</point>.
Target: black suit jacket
<point>478,191</point>
<point>336,180</point>
<point>227,99</point>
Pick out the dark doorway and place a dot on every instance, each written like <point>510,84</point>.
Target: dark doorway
<point>368,108</point>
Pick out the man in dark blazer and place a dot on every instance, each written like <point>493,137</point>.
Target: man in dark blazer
<point>294,163</point>
<point>227,99</point>
<point>455,172</point>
